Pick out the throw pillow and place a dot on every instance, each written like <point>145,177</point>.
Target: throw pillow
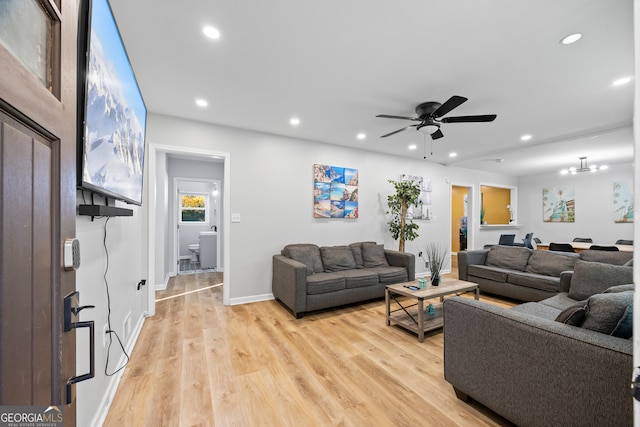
<point>373,256</point>
<point>305,255</point>
<point>591,278</point>
<point>511,257</point>
<point>620,288</point>
<point>624,328</point>
<point>356,248</point>
<point>573,315</point>
<point>604,311</point>
<point>337,258</point>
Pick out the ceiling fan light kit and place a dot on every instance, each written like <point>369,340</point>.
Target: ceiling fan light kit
<point>429,114</point>
<point>584,167</point>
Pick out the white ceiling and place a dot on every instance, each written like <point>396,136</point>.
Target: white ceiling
<point>335,64</point>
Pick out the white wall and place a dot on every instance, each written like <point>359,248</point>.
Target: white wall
<point>127,265</point>
<point>271,186</point>
<point>594,206</point>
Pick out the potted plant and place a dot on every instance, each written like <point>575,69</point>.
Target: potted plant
<point>407,194</point>
<point>436,256</point>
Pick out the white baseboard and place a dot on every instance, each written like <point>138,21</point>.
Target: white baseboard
<point>163,286</point>
<point>107,399</point>
<point>252,298</point>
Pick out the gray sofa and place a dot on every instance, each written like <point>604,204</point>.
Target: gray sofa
<point>525,274</point>
<point>307,277</point>
<point>564,361</point>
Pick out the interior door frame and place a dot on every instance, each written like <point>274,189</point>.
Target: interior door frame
<point>154,227</point>
<point>471,208</point>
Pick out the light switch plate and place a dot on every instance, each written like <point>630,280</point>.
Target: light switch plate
<point>235,217</point>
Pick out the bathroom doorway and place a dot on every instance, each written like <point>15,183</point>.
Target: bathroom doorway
<point>197,203</point>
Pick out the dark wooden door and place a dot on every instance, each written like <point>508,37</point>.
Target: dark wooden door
<point>37,199</point>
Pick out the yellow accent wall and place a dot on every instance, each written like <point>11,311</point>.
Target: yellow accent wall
<point>457,212</point>
<point>495,201</point>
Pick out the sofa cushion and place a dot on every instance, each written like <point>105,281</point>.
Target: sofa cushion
<point>560,301</point>
<point>322,283</point>
<point>607,257</point>
<point>389,275</point>
<point>487,272</point>
<point>538,310</point>
<point>511,257</point>
<point>373,255</point>
<point>591,278</point>
<point>337,258</point>
<point>356,248</point>
<point>550,263</point>
<point>358,278</point>
<point>307,254</point>
<point>605,311</point>
<point>534,281</point>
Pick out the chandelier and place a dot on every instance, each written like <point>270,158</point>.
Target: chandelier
<point>583,168</point>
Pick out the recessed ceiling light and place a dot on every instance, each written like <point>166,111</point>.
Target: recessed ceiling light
<point>294,121</point>
<point>211,32</point>
<point>622,81</point>
<point>413,147</point>
<point>603,167</point>
<point>361,136</point>
<point>525,137</point>
<point>452,154</point>
<point>201,103</point>
<point>571,38</point>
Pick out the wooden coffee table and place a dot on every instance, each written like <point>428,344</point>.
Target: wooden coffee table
<point>412,316</point>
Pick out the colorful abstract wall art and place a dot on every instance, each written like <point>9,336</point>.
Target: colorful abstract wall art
<point>335,192</point>
<point>623,201</point>
<point>558,204</point>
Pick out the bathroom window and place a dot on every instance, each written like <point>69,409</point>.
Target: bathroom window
<point>194,208</point>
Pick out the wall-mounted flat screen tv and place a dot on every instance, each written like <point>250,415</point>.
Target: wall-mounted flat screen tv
<point>111,112</point>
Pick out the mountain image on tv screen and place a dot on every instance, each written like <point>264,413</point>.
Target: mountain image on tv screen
<point>115,113</point>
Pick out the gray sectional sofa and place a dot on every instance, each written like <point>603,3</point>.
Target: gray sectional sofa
<point>525,274</point>
<point>307,277</point>
<point>564,361</point>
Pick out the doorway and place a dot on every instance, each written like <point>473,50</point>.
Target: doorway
<point>162,250</point>
<point>197,205</point>
<point>461,196</point>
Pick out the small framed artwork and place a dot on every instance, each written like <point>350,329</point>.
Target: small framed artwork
<point>335,192</point>
<point>559,204</point>
<point>623,201</point>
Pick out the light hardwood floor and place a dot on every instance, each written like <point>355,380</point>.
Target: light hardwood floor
<point>199,363</point>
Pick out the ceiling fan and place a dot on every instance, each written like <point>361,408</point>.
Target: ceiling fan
<point>429,114</point>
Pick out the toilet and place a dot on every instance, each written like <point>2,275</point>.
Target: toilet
<point>195,251</point>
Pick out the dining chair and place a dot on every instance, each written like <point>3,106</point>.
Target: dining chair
<point>527,240</point>
<point>538,241</point>
<point>583,239</point>
<point>624,242</point>
<point>561,247</point>
<point>603,248</point>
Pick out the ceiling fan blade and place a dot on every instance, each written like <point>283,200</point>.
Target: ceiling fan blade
<point>437,134</point>
<point>469,119</point>
<point>386,116</point>
<point>453,102</point>
<point>397,131</point>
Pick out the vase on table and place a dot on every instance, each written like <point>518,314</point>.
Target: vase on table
<point>435,281</point>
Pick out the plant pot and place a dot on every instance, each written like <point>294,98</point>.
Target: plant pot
<point>435,281</point>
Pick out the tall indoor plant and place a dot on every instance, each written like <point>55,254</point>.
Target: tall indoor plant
<point>407,194</point>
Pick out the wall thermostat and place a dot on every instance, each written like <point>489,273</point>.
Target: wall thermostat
<point>71,254</point>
